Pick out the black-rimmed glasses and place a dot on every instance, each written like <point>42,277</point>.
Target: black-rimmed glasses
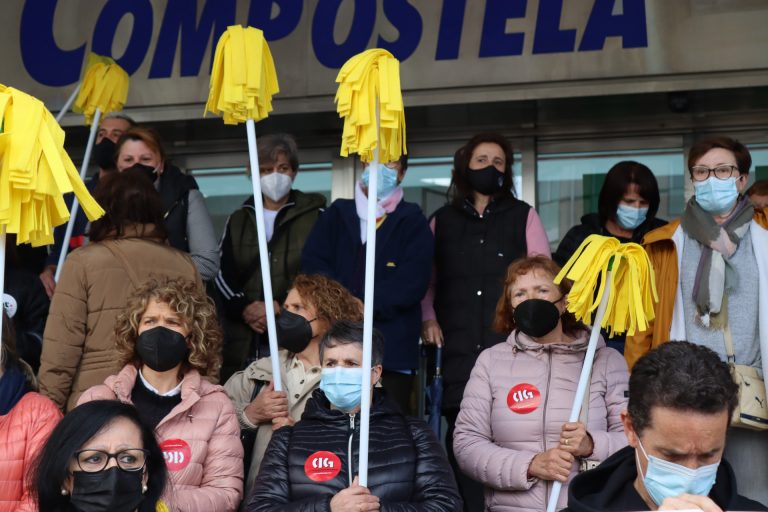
<point>92,461</point>
<point>721,172</point>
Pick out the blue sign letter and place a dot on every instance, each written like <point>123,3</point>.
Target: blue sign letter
<point>549,37</point>
<point>138,43</point>
<point>407,20</point>
<point>260,16</point>
<point>334,55</point>
<point>180,18</point>
<point>630,25</point>
<point>43,59</point>
<point>495,42</point>
<point>451,25</point>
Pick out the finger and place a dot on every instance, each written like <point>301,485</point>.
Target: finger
<point>702,502</point>
<point>355,481</point>
<point>570,427</point>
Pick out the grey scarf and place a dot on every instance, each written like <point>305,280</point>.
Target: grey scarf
<point>719,241</point>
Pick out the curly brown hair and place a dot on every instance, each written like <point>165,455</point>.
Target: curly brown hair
<point>504,322</point>
<point>332,301</point>
<point>195,310</point>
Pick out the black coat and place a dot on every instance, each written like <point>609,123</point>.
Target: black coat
<point>25,296</point>
<point>610,486</point>
<point>591,225</point>
<point>472,253</point>
<point>407,468</point>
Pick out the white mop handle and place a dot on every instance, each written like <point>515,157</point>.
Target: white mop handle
<point>266,277</point>
<point>586,371</point>
<point>2,282</point>
<point>68,103</point>
<point>75,202</point>
<point>370,262</point>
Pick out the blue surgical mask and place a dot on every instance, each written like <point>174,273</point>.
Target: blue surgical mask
<point>386,179</point>
<point>630,217</point>
<point>343,387</point>
<point>664,479</point>
<point>716,196</point>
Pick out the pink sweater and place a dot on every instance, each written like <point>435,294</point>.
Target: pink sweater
<point>498,432</point>
<point>200,438</point>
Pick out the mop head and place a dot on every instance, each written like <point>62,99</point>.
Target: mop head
<point>243,78</point>
<point>365,78</point>
<point>35,171</point>
<point>105,86</point>
<point>632,291</point>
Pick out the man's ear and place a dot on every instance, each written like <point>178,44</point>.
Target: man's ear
<point>629,429</point>
<point>376,374</point>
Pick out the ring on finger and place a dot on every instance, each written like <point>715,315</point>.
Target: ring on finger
<point>566,442</point>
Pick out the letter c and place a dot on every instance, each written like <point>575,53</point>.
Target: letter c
<point>43,59</point>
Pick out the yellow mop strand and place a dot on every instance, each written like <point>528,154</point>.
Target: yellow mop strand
<point>104,86</point>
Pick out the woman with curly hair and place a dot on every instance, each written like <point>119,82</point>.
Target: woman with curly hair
<point>168,340</point>
<point>313,304</point>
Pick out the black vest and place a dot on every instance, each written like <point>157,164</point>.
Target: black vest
<point>174,191</point>
<point>472,254</point>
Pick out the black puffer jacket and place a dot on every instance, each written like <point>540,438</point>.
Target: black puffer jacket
<point>407,468</point>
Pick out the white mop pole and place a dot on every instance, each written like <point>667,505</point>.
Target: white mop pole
<point>2,283</point>
<point>266,277</point>
<point>586,370</point>
<point>75,202</point>
<point>68,104</point>
<point>370,267</point>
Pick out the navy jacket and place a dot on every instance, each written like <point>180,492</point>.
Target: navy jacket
<point>404,250</point>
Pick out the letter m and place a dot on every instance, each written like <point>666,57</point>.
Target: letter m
<point>179,22</point>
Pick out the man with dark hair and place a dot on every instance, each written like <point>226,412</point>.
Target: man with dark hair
<point>681,397</point>
<point>758,193</point>
<point>313,465</point>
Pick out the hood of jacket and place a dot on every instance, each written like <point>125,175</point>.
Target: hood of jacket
<point>521,342</point>
<point>605,487</point>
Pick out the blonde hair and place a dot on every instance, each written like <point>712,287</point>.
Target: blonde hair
<point>331,300</point>
<point>195,310</point>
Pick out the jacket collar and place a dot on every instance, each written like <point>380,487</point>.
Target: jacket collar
<point>666,232</point>
<point>521,342</point>
<point>319,408</point>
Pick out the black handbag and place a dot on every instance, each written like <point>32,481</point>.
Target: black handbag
<point>248,435</point>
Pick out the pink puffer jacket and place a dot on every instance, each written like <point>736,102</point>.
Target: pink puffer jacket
<point>23,433</point>
<point>200,438</point>
<point>518,397</point>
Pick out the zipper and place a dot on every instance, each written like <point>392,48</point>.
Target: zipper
<point>544,420</point>
<point>349,446</point>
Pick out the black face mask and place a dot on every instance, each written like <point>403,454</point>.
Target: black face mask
<point>104,154</point>
<point>112,490</point>
<point>161,349</point>
<point>536,317</point>
<point>148,171</point>
<point>294,332</point>
<point>486,181</point>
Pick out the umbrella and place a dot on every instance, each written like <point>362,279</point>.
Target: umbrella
<point>435,394</point>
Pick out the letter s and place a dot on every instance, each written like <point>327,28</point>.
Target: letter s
<point>42,58</point>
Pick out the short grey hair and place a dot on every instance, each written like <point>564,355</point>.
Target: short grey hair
<point>120,115</point>
<point>345,332</point>
<point>270,146</point>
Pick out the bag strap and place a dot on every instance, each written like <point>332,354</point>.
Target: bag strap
<point>257,389</point>
<point>117,253</point>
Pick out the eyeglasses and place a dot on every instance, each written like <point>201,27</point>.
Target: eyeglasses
<point>721,172</point>
<point>93,461</point>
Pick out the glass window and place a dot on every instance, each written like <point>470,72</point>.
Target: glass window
<point>569,184</point>
<point>225,189</point>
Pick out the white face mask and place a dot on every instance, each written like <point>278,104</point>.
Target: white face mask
<point>276,186</point>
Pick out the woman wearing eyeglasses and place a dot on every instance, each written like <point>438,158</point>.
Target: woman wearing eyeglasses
<point>168,340</point>
<point>712,277</point>
<point>100,457</point>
